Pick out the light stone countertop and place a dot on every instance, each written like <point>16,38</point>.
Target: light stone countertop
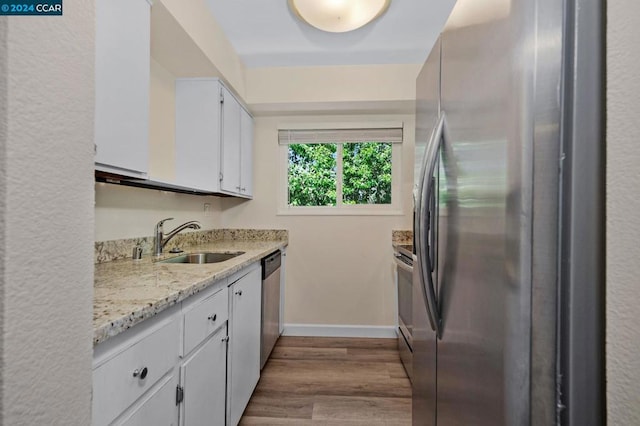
<point>402,237</point>
<point>126,292</point>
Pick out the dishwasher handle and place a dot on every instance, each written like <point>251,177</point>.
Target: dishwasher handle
<point>271,263</point>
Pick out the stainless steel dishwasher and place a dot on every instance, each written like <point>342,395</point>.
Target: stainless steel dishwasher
<point>270,305</point>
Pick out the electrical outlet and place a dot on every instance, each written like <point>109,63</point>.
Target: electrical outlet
<point>207,209</point>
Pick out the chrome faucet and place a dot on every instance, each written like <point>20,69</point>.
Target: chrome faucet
<point>160,240</point>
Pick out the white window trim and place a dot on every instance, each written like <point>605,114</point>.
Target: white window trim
<point>393,209</point>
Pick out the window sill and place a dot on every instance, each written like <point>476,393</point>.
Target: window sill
<point>332,211</point>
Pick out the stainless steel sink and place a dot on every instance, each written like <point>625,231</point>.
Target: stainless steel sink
<point>205,257</point>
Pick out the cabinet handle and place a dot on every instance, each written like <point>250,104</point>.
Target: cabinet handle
<point>238,188</point>
<point>243,189</point>
<point>213,317</point>
<point>141,373</point>
<point>239,292</point>
<point>225,339</point>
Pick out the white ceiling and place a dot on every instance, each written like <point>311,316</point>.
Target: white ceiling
<point>265,33</point>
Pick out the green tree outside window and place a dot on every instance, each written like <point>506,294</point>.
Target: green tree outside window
<point>313,175</point>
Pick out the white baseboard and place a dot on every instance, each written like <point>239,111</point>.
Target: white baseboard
<point>326,330</point>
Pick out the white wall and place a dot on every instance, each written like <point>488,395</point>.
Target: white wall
<point>162,123</point>
<point>46,216</point>
<point>623,213</point>
<point>206,34</point>
<point>339,268</point>
<point>126,212</point>
<point>355,87</point>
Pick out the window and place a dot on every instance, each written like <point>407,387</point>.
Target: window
<point>341,171</point>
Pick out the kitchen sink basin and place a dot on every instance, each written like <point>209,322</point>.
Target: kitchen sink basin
<point>205,257</point>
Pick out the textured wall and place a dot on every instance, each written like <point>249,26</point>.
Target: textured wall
<point>47,216</point>
<point>3,187</point>
<point>623,212</point>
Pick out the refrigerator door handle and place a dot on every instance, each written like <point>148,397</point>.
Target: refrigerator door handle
<point>426,252</point>
<point>432,242</point>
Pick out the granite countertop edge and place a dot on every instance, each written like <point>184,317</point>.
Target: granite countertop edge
<point>181,282</point>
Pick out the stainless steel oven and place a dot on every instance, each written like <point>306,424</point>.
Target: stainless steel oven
<point>403,257</point>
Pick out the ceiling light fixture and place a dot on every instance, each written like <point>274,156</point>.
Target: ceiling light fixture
<point>338,16</point>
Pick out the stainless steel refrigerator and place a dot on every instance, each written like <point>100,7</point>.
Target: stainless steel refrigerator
<point>508,259</point>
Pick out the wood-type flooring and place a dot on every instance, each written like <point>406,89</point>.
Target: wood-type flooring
<point>311,381</point>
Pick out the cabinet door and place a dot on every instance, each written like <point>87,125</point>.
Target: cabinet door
<point>203,378</point>
<point>123,32</point>
<point>158,408</point>
<point>230,143</point>
<point>244,343</point>
<point>246,154</point>
<point>198,133</point>
<point>283,273</point>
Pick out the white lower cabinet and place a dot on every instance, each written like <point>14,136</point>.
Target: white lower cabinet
<point>203,382</point>
<point>203,372</point>
<point>158,408</point>
<point>129,367</point>
<point>197,363</point>
<point>243,365</point>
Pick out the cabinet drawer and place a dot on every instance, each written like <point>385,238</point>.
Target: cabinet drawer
<point>205,318</point>
<point>114,385</point>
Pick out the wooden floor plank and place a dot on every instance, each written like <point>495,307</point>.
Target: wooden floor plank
<point>397,371</point>
<point>325,369</point>
<point>308,353</point>
<point>273,421</point>
<point>312,381</point>
<point>292,406</point>
<point>377,355</point>
<point>345,408</point>
<point>270,421</point>
<point>338,342</point>
<point>389,388</point>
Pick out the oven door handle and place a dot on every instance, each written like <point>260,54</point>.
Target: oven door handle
<point>400,264</point>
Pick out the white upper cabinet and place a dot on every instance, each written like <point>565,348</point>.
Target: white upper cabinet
<point>198,130</point>
<point>237,148</point>
<point>122,86</point>
<point>214,139</point>
<point>246,154</point>
<point>231,108</point>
